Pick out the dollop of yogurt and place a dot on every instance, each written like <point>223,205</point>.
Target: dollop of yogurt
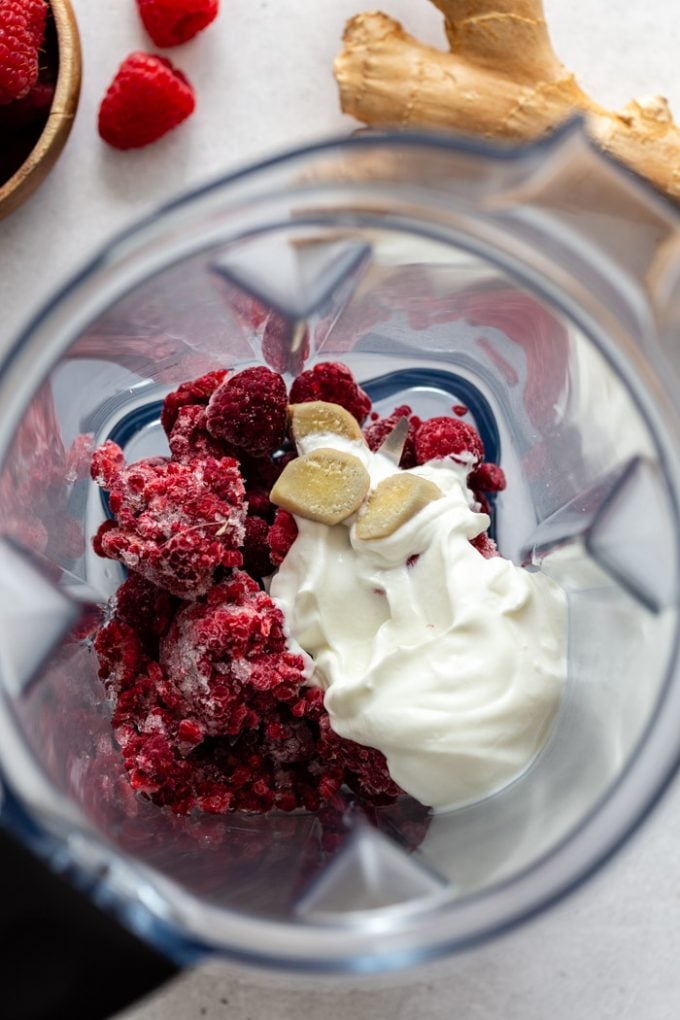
<point>451,664</point>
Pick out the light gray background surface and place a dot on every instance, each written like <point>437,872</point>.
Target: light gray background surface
<point>263,83</point>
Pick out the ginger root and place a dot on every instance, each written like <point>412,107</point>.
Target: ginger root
<point>501,80</point>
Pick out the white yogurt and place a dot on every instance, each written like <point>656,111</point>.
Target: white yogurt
<point>453,667</point>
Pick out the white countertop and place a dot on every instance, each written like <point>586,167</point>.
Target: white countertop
<point>263,83</point>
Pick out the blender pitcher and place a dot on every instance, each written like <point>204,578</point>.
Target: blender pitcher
<point>538,287</point>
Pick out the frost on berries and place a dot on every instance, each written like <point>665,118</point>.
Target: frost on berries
<point>173,523</point>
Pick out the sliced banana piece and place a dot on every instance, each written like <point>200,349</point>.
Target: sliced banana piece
<point>393,502</point>
<point>325,486</point>
<point>318,416</point>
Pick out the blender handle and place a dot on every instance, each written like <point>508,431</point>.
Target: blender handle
<point>60,956</point>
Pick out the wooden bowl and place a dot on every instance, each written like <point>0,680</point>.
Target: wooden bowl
<point>52,139</point>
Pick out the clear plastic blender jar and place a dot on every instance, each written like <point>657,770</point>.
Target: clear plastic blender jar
<point>535,286</point>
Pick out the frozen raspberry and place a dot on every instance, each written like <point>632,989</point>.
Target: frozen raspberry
<point>189,437</point>
<point>333,382</point>
<point>195,392</point>
<point>460,410</point>
<point>121,655</point>
<point>256,556</point>
<point>171,22</point>
<point>147,98</point>
<point>364,768</point>
<point>379,429</point>
<point>174,523</point>
<point>487,478</point>
<point>278,339</point>
<point>250,410</point>
<point>227,658</point>
<point>282,534</point>
<point>22,26</point>
<point>143,606</point>
<point>444,437</point>
<point>108,461</point>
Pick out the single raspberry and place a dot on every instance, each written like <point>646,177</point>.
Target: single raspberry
<point>22,26</point>
<point>444,437</point>
<point>487,478</point>
<point>333,382</point>
<point>283,348</point>
<point>147,98</point>
<point>250,410</point>
<point>174,523</point>
<point>195,391</point>
<point>282,534</point>
<point>172,22</point>
<point>379,429</point>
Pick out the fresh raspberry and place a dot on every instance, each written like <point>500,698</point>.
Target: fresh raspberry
<point>333,382</point>
<point>250,410</point>
<point>171,22</point>
<point>282,534</point>
<point>36,16</point>
<point>195,391</point>
<point>444,437</point>
<point>256,554</point>
<point>379,429</point>
<point>147,98</point>
<point>487,478</point>
<point>278,338</point>
<point>22,26</point>
<point>174,523</point>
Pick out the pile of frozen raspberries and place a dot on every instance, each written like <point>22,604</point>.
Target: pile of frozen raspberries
<point>211,710</point>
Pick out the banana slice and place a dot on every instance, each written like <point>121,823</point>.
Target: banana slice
<point>325,486</point>
<point>322,416</point>
<point>393,502</point>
